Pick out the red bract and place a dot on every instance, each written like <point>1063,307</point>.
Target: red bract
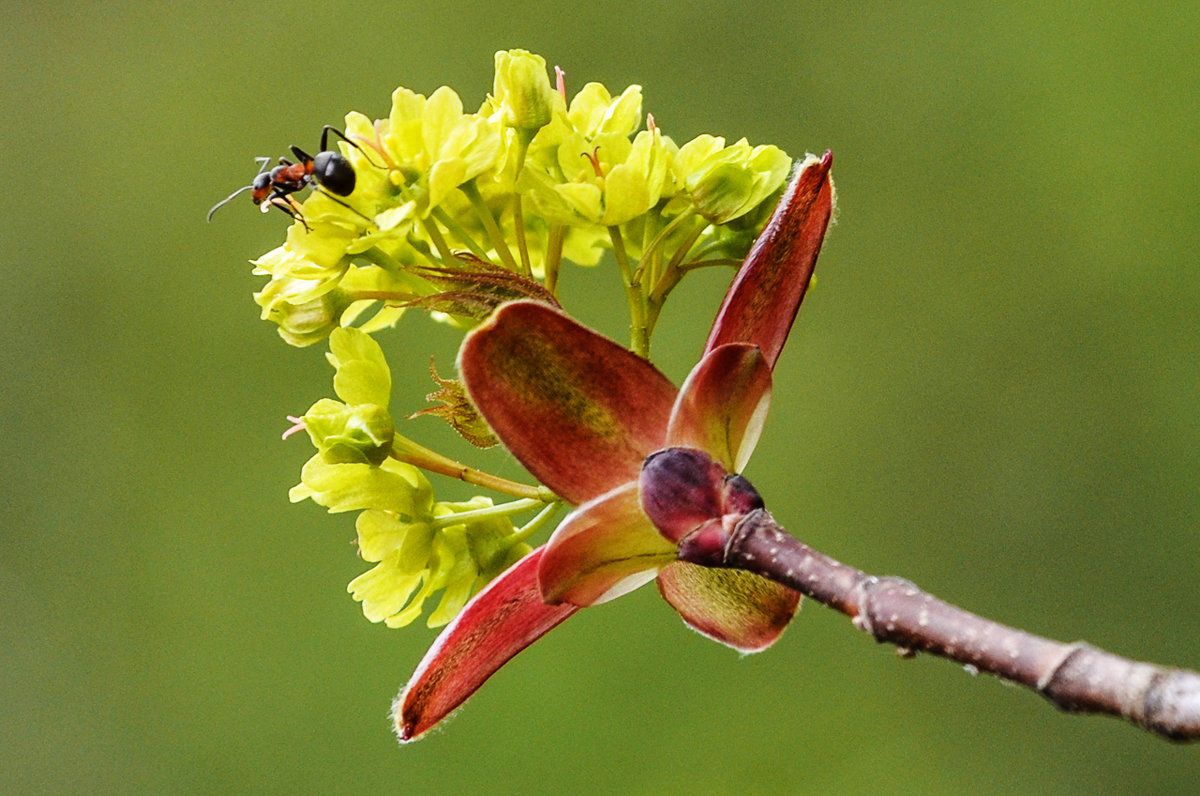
<point>647,466</point>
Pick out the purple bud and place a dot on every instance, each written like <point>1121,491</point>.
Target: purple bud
<point>681,488</point>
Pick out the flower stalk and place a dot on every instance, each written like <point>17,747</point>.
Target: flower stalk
<point>495,235</point>
<point>501,510</point>
<point>416,454</point>
<point>639,335</point>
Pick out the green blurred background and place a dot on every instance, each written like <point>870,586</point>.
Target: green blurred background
<point>993,391</point>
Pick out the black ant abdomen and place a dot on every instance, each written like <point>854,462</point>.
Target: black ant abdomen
<point>332,171</point>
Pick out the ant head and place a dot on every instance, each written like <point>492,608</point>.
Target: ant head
<point>260,189</point>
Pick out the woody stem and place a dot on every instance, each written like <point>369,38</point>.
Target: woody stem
<point>1076,677</point>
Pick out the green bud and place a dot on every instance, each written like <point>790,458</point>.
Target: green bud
<point>522,91</point>
<point>344,434</point>
<point>305,322</point>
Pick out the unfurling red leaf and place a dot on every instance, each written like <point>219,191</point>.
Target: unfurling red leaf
<point>458,411</point>
<point>475,287</point>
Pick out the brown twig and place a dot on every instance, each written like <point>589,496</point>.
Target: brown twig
<point>1076,677</point>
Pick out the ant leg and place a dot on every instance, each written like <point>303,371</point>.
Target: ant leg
<point>357,212</point>
<point>329,128</point>
<point>288,205</point>
<point>284,200</point>
<point>296,212</point>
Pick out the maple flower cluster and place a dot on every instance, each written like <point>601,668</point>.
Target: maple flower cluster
<point>419,547</point>
<point>457,211</point>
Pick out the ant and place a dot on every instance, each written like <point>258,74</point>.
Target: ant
<point>329,172</point>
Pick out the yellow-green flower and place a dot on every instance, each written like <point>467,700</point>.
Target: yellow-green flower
<point>308,302</point>
<point>345,433</point>
<point>285,262</point>
<point>595,112</point>
<point>353,486</point>
<point>584,169</point>
<point>358,428</point>
<point>725,182</point>
<point>302,298</point>
<point>418,556</point>
<point>436,146</point>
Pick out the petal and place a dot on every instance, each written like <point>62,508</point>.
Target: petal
<point>764,297</point>
<point>723,404</point>
<point>605,548</point>
<point>578,410</point>
<point>500,621</point>
<point>362,376</point>
<point>737,608</point>
<point>393,486</point>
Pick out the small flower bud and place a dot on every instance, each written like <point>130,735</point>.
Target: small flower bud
<point>728,182</point>
<point>522,91</point>
<point>307,322</point>
<point>344,434</point>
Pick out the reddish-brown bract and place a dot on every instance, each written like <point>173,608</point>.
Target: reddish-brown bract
<point>762,302</point>
<point>530,365</point>
<point>470,651</point>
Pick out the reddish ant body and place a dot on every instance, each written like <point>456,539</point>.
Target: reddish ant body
<point>329,172</point>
